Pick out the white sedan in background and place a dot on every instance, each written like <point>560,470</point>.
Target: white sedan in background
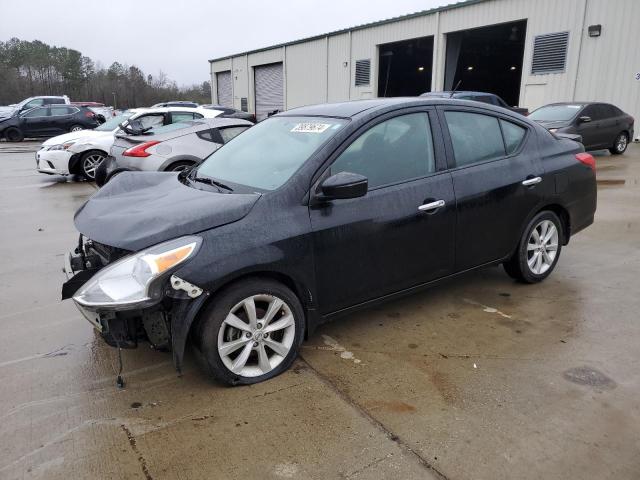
<point>81,152</point>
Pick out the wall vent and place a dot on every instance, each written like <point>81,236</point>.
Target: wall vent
<point>550,53</point>
<point>363,72</point>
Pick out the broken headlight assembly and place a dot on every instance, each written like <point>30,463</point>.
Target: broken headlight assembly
<point>62,146</point>
<point>131,281</point>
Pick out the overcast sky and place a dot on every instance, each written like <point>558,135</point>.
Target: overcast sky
<point>179,36</point>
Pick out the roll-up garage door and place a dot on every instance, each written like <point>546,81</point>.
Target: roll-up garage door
<point>269,86</point>
<point>223,80</point>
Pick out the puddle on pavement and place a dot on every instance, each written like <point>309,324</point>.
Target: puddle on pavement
<point>589,377</point>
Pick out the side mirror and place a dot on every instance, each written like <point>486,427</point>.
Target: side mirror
<point>584,119</point>
<point>344,185</point>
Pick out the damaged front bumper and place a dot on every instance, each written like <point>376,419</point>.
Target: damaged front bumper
<point>164,322</point>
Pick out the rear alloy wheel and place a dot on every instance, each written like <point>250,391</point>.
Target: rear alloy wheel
<point>538,251</point>
<point>13,135</point>
<point>251,332</point>
<point>89,163</point>
<point>76,128</point>
<point>620,145</point>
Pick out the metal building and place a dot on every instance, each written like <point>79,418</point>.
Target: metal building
<point>530,52</point>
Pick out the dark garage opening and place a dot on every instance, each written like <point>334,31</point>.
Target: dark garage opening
<point>405,67</point>
<point>487,59</point>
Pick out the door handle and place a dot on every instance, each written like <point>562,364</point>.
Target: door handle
<point>428,207</point>
<point>531,181</point>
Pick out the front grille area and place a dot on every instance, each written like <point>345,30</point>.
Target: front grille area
<point>106,253</point>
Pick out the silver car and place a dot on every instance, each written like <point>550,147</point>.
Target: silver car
<point>172,147</point>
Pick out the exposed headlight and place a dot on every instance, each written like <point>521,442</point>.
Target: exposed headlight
<point>62,146</point>
<point>130,280</point>
<point>553,130</point>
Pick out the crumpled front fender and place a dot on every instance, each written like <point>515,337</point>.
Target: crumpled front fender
<point>182,317</point>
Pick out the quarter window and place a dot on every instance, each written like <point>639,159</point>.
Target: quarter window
<point>62,111</point>
<point>230,132</point>
<point>393,151</point>
<point>513,135</point>
<point>475,137</point>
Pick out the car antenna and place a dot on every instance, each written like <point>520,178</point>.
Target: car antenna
<point>455,89</point>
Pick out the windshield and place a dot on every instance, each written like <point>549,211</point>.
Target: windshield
<point>267,155</point>
<point>555,113</point>
<point>113,123</point>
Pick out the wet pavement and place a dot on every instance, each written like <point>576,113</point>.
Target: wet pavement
<point>479,378</point>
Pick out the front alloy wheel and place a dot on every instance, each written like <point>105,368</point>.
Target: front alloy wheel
<point>90,162</point>
<point>256,336</point>
<point>250,332</point>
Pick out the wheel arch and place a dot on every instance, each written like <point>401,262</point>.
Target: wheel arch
<point>563,214</point>
<point>166,165</point>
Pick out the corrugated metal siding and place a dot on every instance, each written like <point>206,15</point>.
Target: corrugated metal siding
<point>269,89</point>
<point>307,73</point>
<point>608,63</point>
<point>614,51</point>
<point>338,74</point>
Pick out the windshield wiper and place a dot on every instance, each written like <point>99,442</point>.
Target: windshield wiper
<point>212,181</point>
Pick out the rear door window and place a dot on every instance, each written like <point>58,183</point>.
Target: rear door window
<point>183,116</point>
<point>60,110</point>
<point>475,137</point>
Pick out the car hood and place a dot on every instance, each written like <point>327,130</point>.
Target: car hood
<point>552,123</point>
<point>6,112</point>
<point>73,136</point>
<point>138,209</point>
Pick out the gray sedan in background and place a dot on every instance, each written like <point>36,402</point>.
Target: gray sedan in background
<point>167,148</point>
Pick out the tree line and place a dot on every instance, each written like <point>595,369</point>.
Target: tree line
<point>35,68</point>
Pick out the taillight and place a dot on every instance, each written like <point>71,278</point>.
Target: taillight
<point>587,159</point>
<point>139,150</point>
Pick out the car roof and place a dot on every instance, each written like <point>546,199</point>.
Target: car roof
<point>192,126</point>
<point>356,108</point>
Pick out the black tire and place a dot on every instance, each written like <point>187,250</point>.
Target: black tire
<point>620,144</point>
<point>89,163</point>
<point>75,127</point>
<point>211,321</point>
<point>518,267</point>
<point>179,166</point>
<point>13,135</point>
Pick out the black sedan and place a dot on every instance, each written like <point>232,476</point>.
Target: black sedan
<point>601,125</point>
<point>319,211</point>
<point>484,97</point>
<point>47,121</point>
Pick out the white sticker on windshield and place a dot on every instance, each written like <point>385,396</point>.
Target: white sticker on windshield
<point>574,106</point>
<point>310,127</point>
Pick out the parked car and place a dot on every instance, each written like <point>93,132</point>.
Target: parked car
<point>483,97</point>
<point>169,148</point>
<point>228,112</point>
<point>47,121</point>
<point>176,103</point>
<point>317,212</point>
<point>601,125</point>
<point>82,152</point>
<point>103,112</point>
<point>32,102</point>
